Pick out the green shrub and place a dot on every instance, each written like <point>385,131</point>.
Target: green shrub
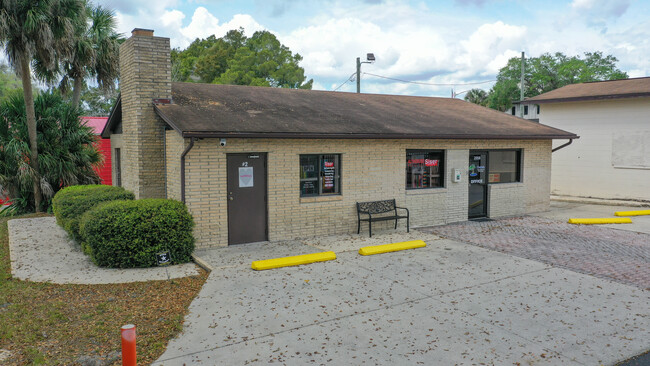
<point>126,234</point>
<point>70,203</point>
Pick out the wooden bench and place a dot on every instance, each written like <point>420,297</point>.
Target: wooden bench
<point>387,210</point>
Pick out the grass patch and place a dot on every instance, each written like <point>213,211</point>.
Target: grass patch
<point>48,324</point>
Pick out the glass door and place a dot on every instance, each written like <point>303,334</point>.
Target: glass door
<point>477,184</point>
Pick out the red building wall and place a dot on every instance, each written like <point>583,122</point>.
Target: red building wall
<point>104,146</point>
<point>105,170</point>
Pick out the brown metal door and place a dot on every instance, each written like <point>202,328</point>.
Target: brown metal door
<point>246,198</point>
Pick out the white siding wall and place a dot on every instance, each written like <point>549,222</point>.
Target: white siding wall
<point>586,168</point>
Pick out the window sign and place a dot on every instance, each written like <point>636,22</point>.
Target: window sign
<point>424,169</point>
<point>245,176</point>
<point>319,174</point>
<point>328,175</point>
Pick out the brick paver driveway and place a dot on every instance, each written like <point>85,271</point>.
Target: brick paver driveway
<point>618,255</point>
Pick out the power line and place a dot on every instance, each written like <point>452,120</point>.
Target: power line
<point>423,83</point>
<point>349,79</point>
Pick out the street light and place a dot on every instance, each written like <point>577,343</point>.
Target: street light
<point>370,57</point>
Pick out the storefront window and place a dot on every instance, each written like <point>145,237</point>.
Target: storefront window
<point>504,166</point>
<point>424,169</point>
<point>320,175</point>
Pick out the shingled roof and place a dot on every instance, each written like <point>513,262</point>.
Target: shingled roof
<point>210,110</point>
<point>598,90</point>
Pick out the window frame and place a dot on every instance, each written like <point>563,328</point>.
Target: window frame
<point>525,110</point>
<point>319,176</point>
<point>519,164</point>
<point>443,173</point>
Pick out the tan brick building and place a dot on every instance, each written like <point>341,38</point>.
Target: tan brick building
<point>256,164</point>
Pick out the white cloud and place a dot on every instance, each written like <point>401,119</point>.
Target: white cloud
<point>418,43</point>
<point>169,23</point>
<point>490,46</point>
<point>603,8</point>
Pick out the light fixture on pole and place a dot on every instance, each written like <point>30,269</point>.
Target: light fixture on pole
<point>370,59</point>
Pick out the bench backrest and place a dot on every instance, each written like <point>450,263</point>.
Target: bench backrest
<point>375,207</point>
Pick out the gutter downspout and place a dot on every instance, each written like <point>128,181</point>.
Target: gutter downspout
<point>562,146</point>
<point>187,150</point>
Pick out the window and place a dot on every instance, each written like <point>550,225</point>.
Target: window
<point>513,111</point>
<point>117,159</point>
<point>424,169</point>
<point>525,110</point>
<point>320,175</point>
<point>504,166</point>
<point>538,109</point>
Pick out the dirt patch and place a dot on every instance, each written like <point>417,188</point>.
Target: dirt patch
<point>65,324</point>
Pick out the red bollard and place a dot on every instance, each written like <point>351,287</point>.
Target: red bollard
<point>128,345</point>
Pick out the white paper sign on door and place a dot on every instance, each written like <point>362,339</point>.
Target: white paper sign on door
<point>245,176</point>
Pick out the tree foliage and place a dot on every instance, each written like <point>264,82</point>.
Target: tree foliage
<point>549,72</point>
<point>37,34</point>
<point>97,102</point>
<point>8,81</point>
<point>67,155</point>
<point>95,53</point>
<point>477,96</point>
<point>260,60</point>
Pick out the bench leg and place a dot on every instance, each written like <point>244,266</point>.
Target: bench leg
<point>358,226</point>
<point>407,224</point>
<point>370,228</point>
<point>395,224</point>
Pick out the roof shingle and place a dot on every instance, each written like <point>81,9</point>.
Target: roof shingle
<point>210,110</point>
<point>612,89</point>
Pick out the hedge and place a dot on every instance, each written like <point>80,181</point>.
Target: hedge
<point>70,203</point>
<point>127,234</point>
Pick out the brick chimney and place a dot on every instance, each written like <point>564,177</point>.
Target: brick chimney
<point>145,74</point>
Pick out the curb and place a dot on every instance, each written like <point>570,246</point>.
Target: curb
<point>600,201</point>
<point>293,261</point>
<point>202,263</point>
<point>386,248</point>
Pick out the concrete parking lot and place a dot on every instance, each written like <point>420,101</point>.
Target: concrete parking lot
<point>449,303</point>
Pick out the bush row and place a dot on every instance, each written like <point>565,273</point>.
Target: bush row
<point>127,234</point>
<point>118,231</point>
<point>70,203</point>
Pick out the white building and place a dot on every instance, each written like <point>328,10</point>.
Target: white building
<point>611,160</point>
<point>530,111</point>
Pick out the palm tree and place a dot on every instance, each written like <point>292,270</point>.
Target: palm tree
<point>37,32</point>
<point>96,53</point>
<point>477,96</point>
<point>68,154</point>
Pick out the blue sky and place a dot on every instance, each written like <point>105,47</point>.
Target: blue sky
<point>437,42</point>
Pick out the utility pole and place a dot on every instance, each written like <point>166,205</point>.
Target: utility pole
<point>358,74</point>
<point>371,58</point>
<point>521,94</point>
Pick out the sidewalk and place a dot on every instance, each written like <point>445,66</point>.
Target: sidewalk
<point>41,251</point>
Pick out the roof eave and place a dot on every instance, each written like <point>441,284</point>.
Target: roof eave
<point>585,98</point>
<point>167,120</point>
<point>113,118</point>
<point>297,135</point>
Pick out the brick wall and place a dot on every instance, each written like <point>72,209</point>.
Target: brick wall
<point>117,142</point>
<point>145,74</point>
<point>173,150</point>
<point>370,170</point>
